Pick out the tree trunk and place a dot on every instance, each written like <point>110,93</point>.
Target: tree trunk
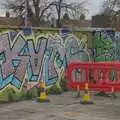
<point>59,14</point>
<point>37,11</point>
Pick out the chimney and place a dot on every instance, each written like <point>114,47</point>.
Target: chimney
<point>7,14</point>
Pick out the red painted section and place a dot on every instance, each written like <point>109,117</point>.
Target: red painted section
<point>96,74</point>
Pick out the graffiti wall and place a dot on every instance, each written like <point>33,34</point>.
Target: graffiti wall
<point>25,60</point>
<point>106,45</point>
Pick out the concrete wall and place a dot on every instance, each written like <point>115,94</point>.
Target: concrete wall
<point>25,60</point>
<point>43,55</point>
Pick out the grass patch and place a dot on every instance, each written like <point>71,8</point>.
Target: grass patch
<point>63,84</point>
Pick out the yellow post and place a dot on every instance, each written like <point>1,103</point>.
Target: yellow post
<point>86,97</point>
<point>43,96</point>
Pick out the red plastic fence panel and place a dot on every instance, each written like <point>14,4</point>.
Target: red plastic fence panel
<point>98,75</point>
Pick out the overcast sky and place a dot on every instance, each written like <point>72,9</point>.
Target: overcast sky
<point>94,7</point>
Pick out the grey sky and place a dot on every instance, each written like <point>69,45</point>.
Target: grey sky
<point>93,6</point>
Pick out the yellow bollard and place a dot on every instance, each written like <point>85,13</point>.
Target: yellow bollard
<point>43,96</point>
<point>86,97</point>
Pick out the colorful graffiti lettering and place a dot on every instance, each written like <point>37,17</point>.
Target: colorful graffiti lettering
<point>106,46</point>
<point>103,46</point>
<point>13,65</point>
<point>32,59</point>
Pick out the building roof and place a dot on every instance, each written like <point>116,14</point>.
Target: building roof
<point>101,21</point>
<point>76,23</point>
<point>11,21</point>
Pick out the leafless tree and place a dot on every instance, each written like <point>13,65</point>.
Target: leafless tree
<point>44,9</point>
<point>111,8</point>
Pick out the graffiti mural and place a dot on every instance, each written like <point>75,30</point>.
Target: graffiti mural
<point>117,46</point>
<point>106,46</point>
<point>13,65</point>
<point>24,61</point>
<point>103,45</point>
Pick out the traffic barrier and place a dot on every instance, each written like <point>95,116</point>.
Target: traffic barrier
<point>100,76</point>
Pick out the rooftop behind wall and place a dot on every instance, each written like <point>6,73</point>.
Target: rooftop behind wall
<point>101,21</point>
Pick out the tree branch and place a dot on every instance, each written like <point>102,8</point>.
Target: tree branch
<point>46,8</point>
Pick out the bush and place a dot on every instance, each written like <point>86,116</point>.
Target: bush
<point>38,91</point>
<point>63,84</point>
<point>12,96</point>
<point>31,94</point>
<point>21,95</point>
<point>9,95</point>
<point>54,90</point>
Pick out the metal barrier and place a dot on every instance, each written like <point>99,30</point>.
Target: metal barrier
<point>100,76</point>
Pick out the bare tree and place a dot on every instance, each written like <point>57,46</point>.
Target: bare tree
<point>82,17</point>
<point>44,9</point>
<point>111,8</point>
<point>79,9</point>
<point>15,6</point>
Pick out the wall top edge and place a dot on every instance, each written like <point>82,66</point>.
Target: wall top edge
<point>89,29</point>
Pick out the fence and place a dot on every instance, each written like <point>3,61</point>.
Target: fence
<point>100,76</point>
